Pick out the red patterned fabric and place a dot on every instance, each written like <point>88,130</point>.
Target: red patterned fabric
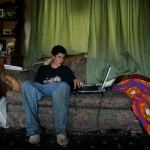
<point>137,87</point>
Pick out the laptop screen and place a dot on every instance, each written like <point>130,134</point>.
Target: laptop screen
<point>105,79</point>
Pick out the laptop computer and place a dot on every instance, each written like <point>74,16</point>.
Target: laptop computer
<point>98,88</point>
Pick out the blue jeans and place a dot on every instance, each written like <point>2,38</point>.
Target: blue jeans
<point>32,92</point>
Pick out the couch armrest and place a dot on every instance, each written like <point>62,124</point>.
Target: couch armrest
<point>13,82</point>
<point>14,79</point>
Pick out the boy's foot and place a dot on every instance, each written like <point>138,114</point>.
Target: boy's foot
<point>62,140</point>
<point>35,139</point>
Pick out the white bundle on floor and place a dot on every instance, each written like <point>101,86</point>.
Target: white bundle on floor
<point>3,113</point>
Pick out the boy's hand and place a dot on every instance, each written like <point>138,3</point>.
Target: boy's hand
<point>78,83</point>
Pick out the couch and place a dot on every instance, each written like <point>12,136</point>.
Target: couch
<point>87,112</point>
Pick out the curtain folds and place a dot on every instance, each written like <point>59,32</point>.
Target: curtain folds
<point>112,32</point>
<point>118,37</point>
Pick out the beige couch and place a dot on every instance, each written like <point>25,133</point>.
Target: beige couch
<point>87,112</point>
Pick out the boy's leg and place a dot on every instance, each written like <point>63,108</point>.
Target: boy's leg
<point>31,95</point>
<point>60,98</point>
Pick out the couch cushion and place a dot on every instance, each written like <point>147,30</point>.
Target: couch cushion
<point>79,69</point>
<point>110,100</point>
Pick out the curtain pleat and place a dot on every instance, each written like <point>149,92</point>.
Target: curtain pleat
<point>116,38</point>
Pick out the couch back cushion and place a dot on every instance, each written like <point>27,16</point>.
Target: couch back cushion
<point>79,69</point>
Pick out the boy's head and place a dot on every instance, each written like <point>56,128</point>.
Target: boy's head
<point>58,49</point>
<point>58,56</point>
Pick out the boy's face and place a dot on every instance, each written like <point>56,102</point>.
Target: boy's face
<point>58,59</point>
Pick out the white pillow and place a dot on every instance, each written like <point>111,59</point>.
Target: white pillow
<point>109,83</point>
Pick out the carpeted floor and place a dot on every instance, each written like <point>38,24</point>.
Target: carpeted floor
<point>15,139</point>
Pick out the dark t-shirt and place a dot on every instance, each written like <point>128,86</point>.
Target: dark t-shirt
<point>47,72</point>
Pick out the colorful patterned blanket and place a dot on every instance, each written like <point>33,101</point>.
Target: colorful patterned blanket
<point>137,87</point>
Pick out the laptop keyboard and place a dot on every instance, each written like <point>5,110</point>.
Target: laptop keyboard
<point>90,88</point>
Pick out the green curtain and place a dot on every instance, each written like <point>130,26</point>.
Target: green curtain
<point>112,32</point>
<point>58,22</point>
<point>119,36</point>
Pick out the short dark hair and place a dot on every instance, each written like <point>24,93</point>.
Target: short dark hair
<point>58,49</point>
